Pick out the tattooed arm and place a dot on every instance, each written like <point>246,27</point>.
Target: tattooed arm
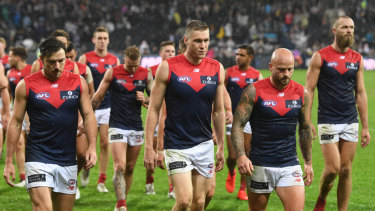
<point>241,117</point>
<point>305,139</point>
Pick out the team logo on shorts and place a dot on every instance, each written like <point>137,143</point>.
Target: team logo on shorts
<point>42,95</point>
<point>117,137</point>
<point>177,165</point>
<point>296,174</point>
<point>183,79</point>
<point>259,185</point>
<point>72,183</point>
<point>211,165</point>
<point>326,137</point>
<point>36,178</point>
<point>269,103</point>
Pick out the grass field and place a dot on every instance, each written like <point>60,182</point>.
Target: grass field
<point>362,197</point>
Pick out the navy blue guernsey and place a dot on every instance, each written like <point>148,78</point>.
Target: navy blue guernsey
<point>53,112</point>
<point>99,66</point>
<point>237,80</point>
<point>336,84</point>
<point>273,123</point>
<point>189,96</point>
<point>125,108</point>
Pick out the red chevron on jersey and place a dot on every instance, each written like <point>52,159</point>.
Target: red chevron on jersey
<point>130,81</point>
<point>287,99</point>
<point>54,92</point>
<point>195,76</point>
<point>82,69</point>
<point>242,78</point>
<point>153,70</point>
<point>341,62</point>
<point>101,64</point>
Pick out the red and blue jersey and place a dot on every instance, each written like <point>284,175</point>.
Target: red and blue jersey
<point>336,84</point>
<point>82,69</point>
<point>273,122</point>
<point>15,76</point>
<point>238,80</point>
<point>99,66</point>
<point>52,107</point>
<point>125,108</point>
<point>5,62</point>
<point>190,92</point>
<point>153,70</point>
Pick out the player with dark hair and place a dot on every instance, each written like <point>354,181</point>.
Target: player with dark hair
<point>192,85</point>
<point>100,60</point>
<point>125,124</point>
<point>337,71</point>
<point>52,98</point>
<point>19,70</point>
<point>237,78</point>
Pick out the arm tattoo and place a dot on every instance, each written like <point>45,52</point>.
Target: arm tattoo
<point>241,117</point>
<point>305,137</point>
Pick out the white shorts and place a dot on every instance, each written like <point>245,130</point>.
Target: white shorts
<point>130,137</point>
<point>246,129</point>
<point>62,179</point>
<point>331,133</point>
<point>266,179</point>
<point>200,158</point>
<point>102,116</point>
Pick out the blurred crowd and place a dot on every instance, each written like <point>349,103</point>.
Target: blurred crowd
<point>301,25</point>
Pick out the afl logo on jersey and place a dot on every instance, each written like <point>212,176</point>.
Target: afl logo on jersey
<point>183,79</point>
<point>332,64</point>
<point>94,65</point>
<point>269,103</point>
<point>42,95</point>
<point>235,79</point>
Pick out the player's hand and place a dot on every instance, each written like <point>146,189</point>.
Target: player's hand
<point>244,165</point>
<point>219,160</point>
<point>9,173</point>
<point>140,96</point>
<point>309,174</point>
<point>150,159</point>
<point>145,105</point>
<point>160,160</point>
<point>313,130</point>
<point>90,157</point>
<point>365,137</point>
<point>228,117</point>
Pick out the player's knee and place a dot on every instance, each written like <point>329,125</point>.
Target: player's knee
<point>40,205</point>
<point>104,143</point>
<point>119,167</point>
<point>20,146</point>
<point>183,203</point>
<point>199,204</point>
<point>211,191</point>
<point>345,172</point>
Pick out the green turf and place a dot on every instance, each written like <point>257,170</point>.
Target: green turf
<point>362,197</point>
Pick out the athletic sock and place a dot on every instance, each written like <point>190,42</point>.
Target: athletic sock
<point>22,177</point>
<point>121,203</point>
<point>170,187</point>
<point>243,186</point>
<point>149,179</point>
<point>102,178</point>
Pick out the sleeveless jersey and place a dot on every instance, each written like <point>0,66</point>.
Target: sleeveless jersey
<point>273,123</point>
<point>238,80</point>
<point>336,84</point>
<point>69,65</point>
<point>189,96</point>
<point>153,70</point>
<point>125,108</point>
<point>99,66</point>
<point>15,76</point>
<point>53,113</point>
<point>5,62</point>
<point>82,69</point>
